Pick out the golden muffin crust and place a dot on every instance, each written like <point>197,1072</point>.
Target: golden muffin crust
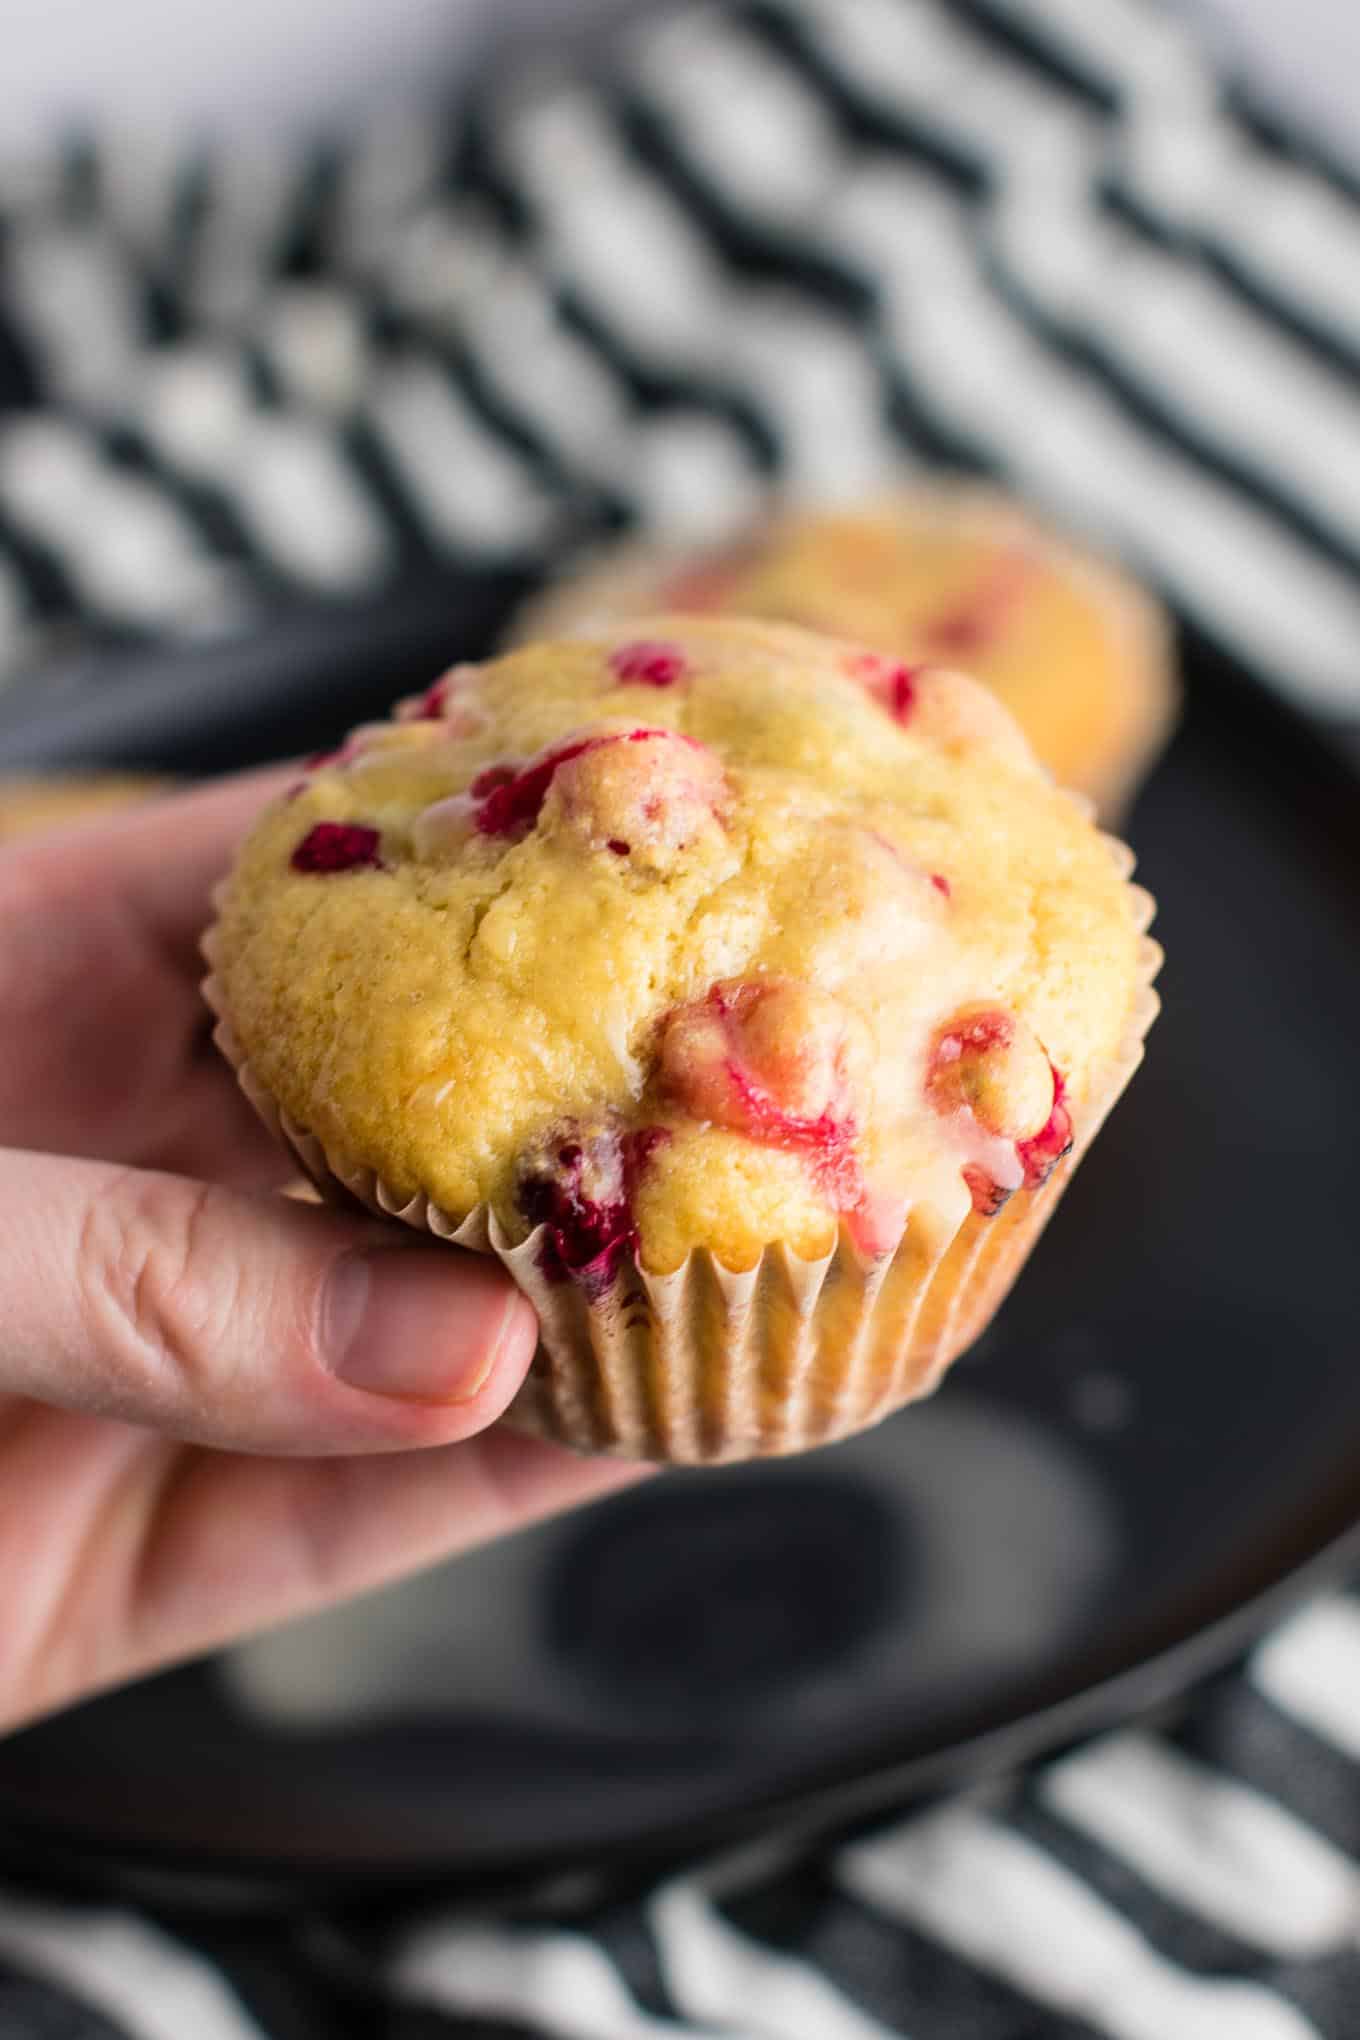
<point>958,575</point>
<point>695,933</point>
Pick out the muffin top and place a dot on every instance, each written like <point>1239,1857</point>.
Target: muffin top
<point>954,574</point>
<point>699,933</point>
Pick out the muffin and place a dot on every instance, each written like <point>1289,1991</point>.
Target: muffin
<point>955,575</point>
<point>750,994</point>
<point>32,805</point>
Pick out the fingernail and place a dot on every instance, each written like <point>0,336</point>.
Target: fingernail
<point>427,1325</point>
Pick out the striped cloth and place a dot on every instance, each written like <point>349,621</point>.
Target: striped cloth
<point>1201,1883</point>
<point>808,243</point>
<point>796,241</point>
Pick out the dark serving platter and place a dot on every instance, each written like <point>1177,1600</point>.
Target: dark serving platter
<point>1152,1450</point>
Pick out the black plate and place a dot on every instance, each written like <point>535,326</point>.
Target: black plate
<point>1153,1447</point>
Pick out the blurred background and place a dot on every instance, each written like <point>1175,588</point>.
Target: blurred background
<point>317,304</point>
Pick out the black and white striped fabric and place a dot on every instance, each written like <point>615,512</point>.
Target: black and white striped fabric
<point>802,243</point>
<point>1198,1883</point>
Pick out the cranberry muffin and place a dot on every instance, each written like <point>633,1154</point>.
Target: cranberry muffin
<point>749,993</point>
<point>954,575</point>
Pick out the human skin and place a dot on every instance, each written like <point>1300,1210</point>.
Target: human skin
<point>218,1408</point>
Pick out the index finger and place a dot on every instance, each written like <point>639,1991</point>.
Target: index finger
<point>166,857</point>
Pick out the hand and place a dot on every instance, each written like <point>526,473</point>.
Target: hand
<point>218,1408</point>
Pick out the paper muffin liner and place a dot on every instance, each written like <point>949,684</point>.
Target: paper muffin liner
<point>612,581</point>
<point>710,1364</point>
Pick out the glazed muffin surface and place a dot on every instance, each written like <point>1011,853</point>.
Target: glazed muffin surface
<point>693,933</point>
<point>955,574</point>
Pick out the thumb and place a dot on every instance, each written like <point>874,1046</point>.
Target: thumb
<point>247,1322</point>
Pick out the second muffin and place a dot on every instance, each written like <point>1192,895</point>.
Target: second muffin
<point>952,574</point>
<point>35,804</point>
<point>748,993</point>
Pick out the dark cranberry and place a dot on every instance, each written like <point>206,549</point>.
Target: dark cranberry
<point>903,693</point>
<point>336,846</point>
<point>988,1197</point>
<point>890,681</point>
<point>580,1191</point>
<point>431,704</point>
<point>1040,1155</point>
<point>987,1066</point>
<point>511,804</point>
<point>512,799</point>
<point>648,664</point>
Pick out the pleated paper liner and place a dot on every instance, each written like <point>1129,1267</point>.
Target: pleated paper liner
<point>712,1364</point>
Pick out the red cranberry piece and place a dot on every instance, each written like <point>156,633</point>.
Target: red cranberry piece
<point>1038,1158</point>
<point>339,754</point>
<point>336,846</point>
<point>988,1064</point>
<point>890,681</point>
<point>1041,1154</point>
<point>944,708</point>
<point>648,663</point>
<point>579,1185</point>
<point>941,884</point>
<point>988,1197</point>
<point>975,1063</point>
<point>775,1060</point>
<point>431,704</point>
<point>650,796</point>
<point>989,1074</point>
<point>486,782</point>
<point>976,622</point>
<point>768,1058</point>
<point>510,799</point>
